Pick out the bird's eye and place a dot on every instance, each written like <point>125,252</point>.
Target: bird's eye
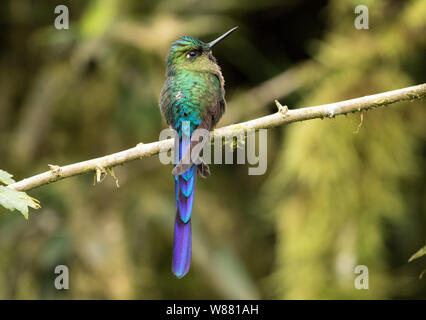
<point>192,54</point>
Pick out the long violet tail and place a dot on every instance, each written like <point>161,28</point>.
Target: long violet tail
<point>184,192</point>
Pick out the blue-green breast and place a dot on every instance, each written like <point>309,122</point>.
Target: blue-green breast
<point>189,96</point>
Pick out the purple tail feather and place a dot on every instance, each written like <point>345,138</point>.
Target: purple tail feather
<point>181,247</point>
<point>184,192</point>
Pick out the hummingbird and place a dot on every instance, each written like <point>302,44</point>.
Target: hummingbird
<point>193,97</point>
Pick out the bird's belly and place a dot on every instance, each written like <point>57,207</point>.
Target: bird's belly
<point>187,111</point>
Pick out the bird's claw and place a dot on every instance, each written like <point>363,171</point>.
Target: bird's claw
<point>203,170</point>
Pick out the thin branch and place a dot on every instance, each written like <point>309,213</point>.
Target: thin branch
<point>283,116</point>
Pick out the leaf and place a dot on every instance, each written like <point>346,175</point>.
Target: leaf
<point>6,177</point>
<point>418,254</point>
<point>12,199</point>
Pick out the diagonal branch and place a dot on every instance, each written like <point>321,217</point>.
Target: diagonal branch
<point>283,116</point>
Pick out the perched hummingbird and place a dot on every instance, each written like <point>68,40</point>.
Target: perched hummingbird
<point>193,97</point>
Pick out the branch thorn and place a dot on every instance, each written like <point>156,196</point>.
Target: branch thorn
<point>56,170</point>
<point>100,175</point>
<point>282,109</point>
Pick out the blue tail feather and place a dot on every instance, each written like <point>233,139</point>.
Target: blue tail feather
<point>181,247</point>
<point>185,203</point>
<point>184,193</point>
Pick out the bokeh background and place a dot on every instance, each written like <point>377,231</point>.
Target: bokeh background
<point>332,197</point>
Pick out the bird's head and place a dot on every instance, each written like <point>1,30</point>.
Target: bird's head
<point>188,53</point>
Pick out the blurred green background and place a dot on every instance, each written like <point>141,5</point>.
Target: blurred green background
<point>332,198</point>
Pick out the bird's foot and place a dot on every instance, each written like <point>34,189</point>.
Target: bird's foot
<point>203,170</point>
<point>181,168</point>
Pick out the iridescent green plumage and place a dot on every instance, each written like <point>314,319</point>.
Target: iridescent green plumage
<point>194,88</point>
<point>193,96</point>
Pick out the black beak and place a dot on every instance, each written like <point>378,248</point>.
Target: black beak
<point>214,42</point>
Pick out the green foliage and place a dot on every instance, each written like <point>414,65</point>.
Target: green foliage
<point>421,252</point>
<point>335,194</point>
<point>6,177</point>
<point>15,200</point>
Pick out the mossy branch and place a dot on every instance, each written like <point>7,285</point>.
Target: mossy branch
<point>281,117</point>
